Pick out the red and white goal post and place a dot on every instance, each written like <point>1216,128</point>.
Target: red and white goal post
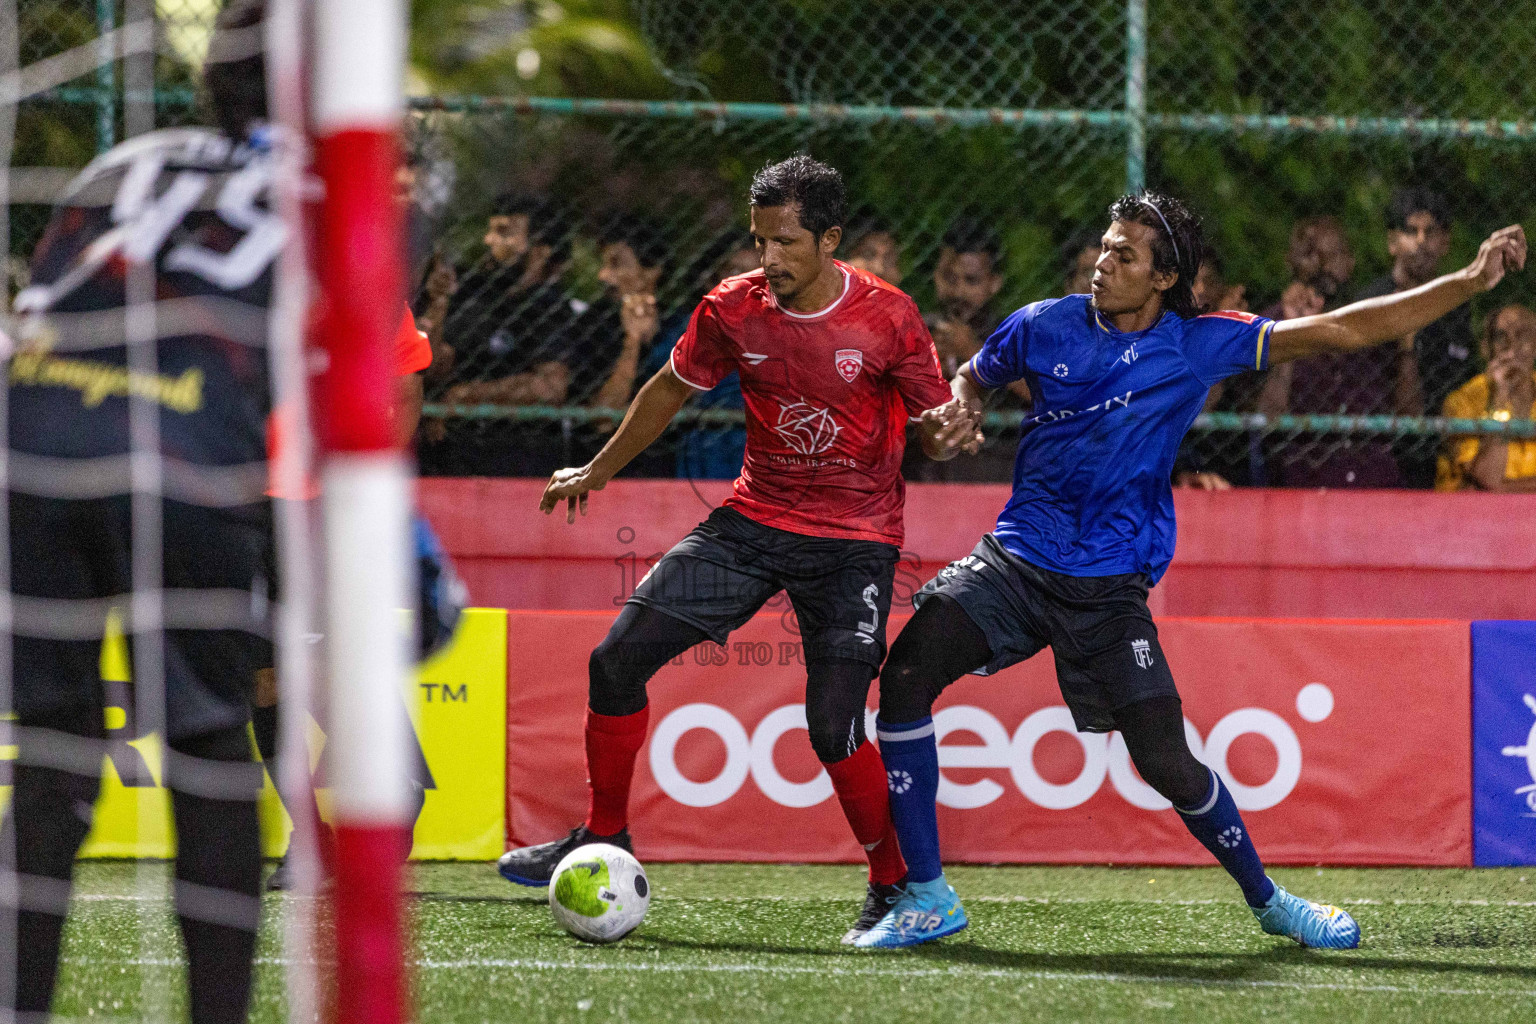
<point>356,69</point>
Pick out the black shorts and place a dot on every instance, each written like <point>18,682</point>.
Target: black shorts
<point>72,564</point>
<point>1099,628</point>
<point>718,576</point>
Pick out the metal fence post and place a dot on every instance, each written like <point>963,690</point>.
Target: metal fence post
<point>106,80</point>
<point>1136,94</point>
<point>139,72</point>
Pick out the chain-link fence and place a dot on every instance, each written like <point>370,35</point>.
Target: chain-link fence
<point>90,74</point>
<point>998,133</point>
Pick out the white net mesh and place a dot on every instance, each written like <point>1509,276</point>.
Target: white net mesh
<point>147,337</point>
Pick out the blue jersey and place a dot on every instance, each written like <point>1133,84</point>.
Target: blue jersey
<point>1091,488</point>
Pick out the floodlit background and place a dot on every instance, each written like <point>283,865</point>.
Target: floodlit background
<point>1016,124</point>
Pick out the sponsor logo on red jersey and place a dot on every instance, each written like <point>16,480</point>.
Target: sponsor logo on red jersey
<point>849,361</point>
<point>805,428</point>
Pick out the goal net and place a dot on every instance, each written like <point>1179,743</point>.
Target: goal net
<point>207,518</point>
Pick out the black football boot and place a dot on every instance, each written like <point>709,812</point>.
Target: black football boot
<point>877,901</point>
<point>534,865</point>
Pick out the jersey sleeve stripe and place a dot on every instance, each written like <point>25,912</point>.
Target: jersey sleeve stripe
<point>981,378</point>
<point>672,361</point>
<point>1263,347</point>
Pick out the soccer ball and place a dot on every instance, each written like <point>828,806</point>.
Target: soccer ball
<point>599,893</point>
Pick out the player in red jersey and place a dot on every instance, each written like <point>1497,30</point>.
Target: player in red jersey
<point>412,354</point>
<point>833,363</point>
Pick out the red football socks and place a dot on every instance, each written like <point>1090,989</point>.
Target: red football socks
<point>861,789</point>
<point>613,741</point>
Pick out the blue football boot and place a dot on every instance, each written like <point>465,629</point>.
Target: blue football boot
<point>926,911</point>
<point>1314,925</point>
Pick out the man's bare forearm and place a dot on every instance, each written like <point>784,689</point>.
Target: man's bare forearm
<point>1408,399</point>
<point>648,415</point>
<point>1371,321</point>
<point>1488,471</point>
<point>1402,313</point>
<point>408,392</point>
<point>965,387</point>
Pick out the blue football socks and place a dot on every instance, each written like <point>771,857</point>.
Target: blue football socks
<point>1219,827</point>
<point>911,756</point>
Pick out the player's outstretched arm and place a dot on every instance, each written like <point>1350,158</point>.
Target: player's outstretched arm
<point>653,408</point>
<point>1362,324</point>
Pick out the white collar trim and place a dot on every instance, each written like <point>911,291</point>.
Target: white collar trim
<point>847,283</point>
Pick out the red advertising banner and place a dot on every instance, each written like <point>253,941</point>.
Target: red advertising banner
<point>1250,551</point>
<point>1344,742</point>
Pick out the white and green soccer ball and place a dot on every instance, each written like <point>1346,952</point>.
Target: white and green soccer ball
<point>599,893</point>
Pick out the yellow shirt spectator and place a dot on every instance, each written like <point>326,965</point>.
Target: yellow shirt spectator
<point>1471,401</point>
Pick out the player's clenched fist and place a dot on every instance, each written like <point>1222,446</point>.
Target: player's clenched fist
<point>571,486</point>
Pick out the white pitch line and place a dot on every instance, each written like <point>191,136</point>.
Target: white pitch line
<point>791,970</point>
<point>960,972</point>
<point>1046,900</point>
<point>1040,900</point>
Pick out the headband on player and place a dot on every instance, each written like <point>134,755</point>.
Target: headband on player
<point>1178,260</point>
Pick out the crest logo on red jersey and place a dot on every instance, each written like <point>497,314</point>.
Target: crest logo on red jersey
<point>805,428</point>
<point>849,361</point>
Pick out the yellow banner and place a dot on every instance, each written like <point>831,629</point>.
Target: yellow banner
<point>458,707</point>
<point>460,712</point>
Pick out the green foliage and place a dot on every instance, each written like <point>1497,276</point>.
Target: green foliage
<point>1368,57</point>
<point>583,48</point>
<point>1429,58</point>
<point>1038,186</point>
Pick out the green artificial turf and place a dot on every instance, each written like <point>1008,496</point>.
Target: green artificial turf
<point>742,943</point>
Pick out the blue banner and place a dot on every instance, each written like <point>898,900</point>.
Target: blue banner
<point>1503,743</point>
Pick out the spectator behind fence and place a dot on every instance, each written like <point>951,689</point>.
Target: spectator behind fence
<point>709,451</point>
<point>517,338</point>
<point>1380,380</point>
<point>1418,240</point>
<point>1078,258</point>
<point>1212,289</point>
<point>1321,263</point>
<point>1210,462</point>
<point>633,256</point>
<point>966,279</point>
<point>633,259</point>
<point>1506,391</point>
<point>872,246</point>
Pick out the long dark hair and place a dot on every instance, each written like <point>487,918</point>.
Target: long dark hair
<point>1177,242</point>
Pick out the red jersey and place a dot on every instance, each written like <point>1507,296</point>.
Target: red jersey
<point>828,396</point>
<point>411,353</point>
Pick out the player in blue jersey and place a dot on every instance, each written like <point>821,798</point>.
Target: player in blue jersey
<point>1117,378</point>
